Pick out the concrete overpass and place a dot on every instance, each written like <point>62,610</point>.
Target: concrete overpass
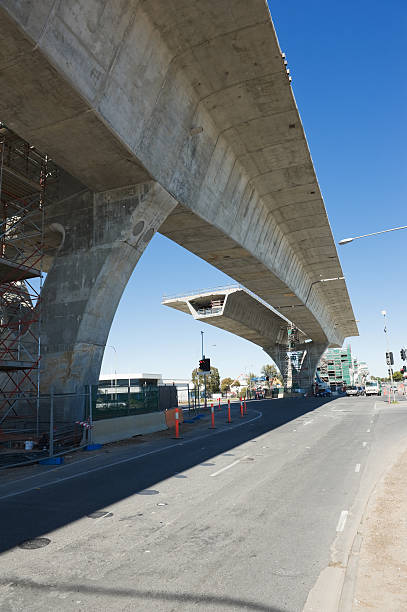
<point>240,312</point>
<point>176,117</point>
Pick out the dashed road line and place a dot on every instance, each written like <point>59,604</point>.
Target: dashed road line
<point>357,467</point>
<point>367,430</point>
<point>342,520</point>
<point>364,444</point>
<point>227,467</point>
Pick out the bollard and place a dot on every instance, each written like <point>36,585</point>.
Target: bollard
<point>241,409</point>
<point>229,419</point>
<point>212,418</point>
<point>177,436</point>
<point>219,405</point>
<point>245,407</point>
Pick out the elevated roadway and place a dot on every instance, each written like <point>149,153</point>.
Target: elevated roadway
<point>173,117</point>
<point>240,312</point>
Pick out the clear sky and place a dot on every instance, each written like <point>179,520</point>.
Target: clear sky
<point>348,63</point>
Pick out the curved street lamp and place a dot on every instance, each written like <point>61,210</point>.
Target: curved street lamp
<point>393,229</point>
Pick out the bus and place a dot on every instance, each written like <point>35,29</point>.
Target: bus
<point>372,387</point>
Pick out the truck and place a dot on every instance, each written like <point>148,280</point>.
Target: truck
<point>372,387</point>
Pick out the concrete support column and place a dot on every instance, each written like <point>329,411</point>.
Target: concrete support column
<point>306,375</point>
<point>104,235</point>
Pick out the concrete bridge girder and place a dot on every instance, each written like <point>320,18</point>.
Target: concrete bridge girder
<point>237,311</point>
<point>194,95</point>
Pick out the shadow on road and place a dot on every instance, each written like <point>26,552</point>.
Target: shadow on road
<point>218,602</point>
<point>41,511</point>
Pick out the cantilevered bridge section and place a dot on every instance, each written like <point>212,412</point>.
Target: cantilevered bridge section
<point>175,117</point>
<point>242,313</point>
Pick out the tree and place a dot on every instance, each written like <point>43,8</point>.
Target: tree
<point>397,376</point>
<point>269,370</point>
<point>225,385</point>
<point>272,372</point>
<point>212,380</point>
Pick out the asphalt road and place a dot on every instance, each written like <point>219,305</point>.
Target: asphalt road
<point>248,517</point>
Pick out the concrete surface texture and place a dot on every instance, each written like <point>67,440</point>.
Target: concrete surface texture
<point>110,430</point>
<point>223,520</point>
<point>104,236</point>
<point>194,96</point>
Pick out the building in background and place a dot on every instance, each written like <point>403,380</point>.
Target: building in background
<point>131,394</point>
<point>339,367</point>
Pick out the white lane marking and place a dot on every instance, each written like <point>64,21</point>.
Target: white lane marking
<point>128,459</point>
<point>45,473</point>
<point>308,422</point>
<point>342,520</point>
<point>364,444</point>
<point>227,467</point>
<point>357,467</point>
<point>367,430</point>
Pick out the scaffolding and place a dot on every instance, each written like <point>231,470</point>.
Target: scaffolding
<point>24,178</point>
<point>291,358</point>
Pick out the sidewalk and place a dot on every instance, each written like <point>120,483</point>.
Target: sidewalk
<point>381,576</point>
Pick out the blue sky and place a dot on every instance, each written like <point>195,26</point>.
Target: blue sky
<point>347,60</point>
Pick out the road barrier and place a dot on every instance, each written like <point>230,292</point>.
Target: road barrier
<point>212,418</point>
<point>241,409</point>
<point>245,407</point>
<point>229,419</point>
<point>219,408</point>
<point>177,436</point>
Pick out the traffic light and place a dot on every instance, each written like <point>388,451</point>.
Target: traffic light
<point>403,370</point>
<point>403,354</point>
<point>205,364</point>
<point>389,358</point>
<point>267,378</point>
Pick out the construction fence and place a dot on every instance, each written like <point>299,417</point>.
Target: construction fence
<point>40,427</point>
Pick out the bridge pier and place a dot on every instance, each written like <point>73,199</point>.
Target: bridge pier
<point>104,236</point>
<point>306,373</point>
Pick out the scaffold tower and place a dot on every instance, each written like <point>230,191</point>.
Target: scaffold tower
<point>24,177</point>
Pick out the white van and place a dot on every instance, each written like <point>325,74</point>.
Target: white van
<point>372,387</point>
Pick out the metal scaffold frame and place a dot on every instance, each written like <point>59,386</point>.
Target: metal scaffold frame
<point>23,182</point>
<point>290,358</point>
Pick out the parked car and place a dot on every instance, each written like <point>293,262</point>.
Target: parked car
<point>352,390</point>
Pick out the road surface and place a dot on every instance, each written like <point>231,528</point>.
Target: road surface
<point>251,516</point>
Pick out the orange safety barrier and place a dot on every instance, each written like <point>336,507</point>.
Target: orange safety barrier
<point>229,419</point>
<point>212,418</point>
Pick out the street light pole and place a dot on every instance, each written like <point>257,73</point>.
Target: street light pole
<point>387,351</point>
<point>393,229</point>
